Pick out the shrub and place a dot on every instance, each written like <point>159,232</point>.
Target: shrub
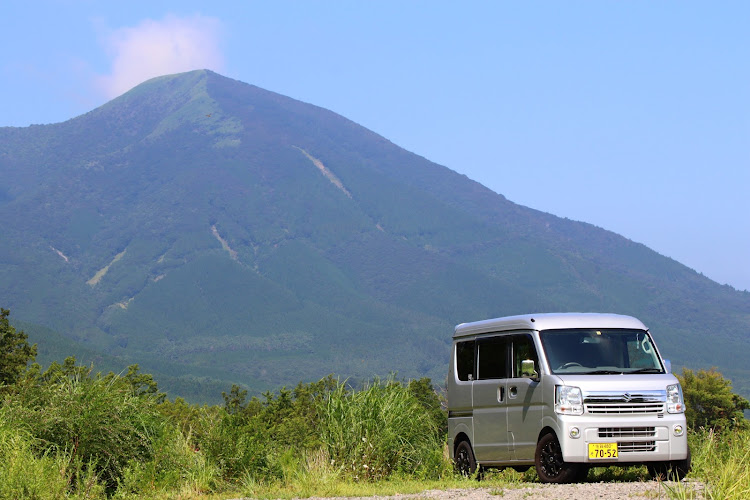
<point>51,475</point>
<point>194,422</point>
<point>175,465</point>
<point>431,401</point>
<point>240,447</point>
<point>710,402</point>
<point>254,440</point>
<point>15,351</point>
<point>99,421</point>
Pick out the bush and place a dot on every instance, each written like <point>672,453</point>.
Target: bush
<point>251,440</point>
<point>175,465</point>
<point>710,402</point>
<point>15,351</point>
<point>431,401</point>
<point>99,421</point>
<point>52,475</point>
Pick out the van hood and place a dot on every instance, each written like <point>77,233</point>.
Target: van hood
<point>620,383</point>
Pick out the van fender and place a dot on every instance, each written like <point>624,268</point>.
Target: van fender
<point>460,432</point>
<point>463,428</point>
<point>549,424</point>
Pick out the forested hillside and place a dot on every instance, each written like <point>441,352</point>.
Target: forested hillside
<point>217,233</point>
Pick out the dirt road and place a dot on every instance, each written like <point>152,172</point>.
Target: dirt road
<point>580,491</point>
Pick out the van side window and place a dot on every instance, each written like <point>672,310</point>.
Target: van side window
<point>493,358</point>
<point>523,348</point>
<point>465,360</point>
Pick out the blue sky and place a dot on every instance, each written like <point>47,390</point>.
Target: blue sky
<point>633,116</point>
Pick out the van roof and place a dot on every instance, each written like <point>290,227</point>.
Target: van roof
<point>548,321</point>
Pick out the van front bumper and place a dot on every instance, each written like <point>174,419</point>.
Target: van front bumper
<point>639,438</point>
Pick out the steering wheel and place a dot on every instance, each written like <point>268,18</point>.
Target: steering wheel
<point>570,364</point>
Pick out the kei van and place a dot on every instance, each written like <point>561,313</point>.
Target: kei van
<point>563,392</point>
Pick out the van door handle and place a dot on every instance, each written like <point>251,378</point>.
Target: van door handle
<point>513,392</point>
<point>500,394</point>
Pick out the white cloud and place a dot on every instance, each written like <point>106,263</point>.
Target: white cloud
<point>155,48</point>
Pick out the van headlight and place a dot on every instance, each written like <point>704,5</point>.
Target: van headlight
<point>568,400</point>
<point>675,403</point>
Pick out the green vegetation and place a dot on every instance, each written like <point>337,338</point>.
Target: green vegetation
<point>114,435</point>
<point>68,432</point>
<point>15,351</point>
<point>722,460</point>
<point>710,402</point>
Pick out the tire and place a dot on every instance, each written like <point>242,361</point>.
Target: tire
<point>550,466</point>
<point>675,470</point>
<point>465,463</point>
<point>583,474</point>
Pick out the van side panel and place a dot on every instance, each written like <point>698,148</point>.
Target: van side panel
<point>525,411</point>
<point>491,438</point>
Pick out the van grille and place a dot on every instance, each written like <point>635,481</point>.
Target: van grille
<point>619,409</point>
<point>641,403</point>
<point>627,432</point>
<point>636,446</point>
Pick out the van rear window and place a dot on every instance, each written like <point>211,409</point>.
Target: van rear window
<point>465,360</point>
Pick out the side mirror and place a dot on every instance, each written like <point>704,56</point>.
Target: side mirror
<point>528,370</point>
<point>668,366</point>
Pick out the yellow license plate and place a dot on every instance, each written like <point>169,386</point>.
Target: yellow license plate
<point>602,450</point>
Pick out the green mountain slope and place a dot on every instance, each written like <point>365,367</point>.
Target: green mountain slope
<point>215,232</point>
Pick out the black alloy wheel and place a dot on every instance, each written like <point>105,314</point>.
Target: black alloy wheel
<point>466,464</point>
<point>550,466</point>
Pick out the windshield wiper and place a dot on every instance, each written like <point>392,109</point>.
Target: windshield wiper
<point>646,370</point>
<point>604,372</point>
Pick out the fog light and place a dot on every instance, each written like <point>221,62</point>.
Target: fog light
<point>575,433</point>
<point>678,430</point>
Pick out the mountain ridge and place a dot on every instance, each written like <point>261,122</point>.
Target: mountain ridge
<point>218,198</point>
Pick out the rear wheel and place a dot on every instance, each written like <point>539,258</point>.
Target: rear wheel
<point>466,464</point>
<point>550,466</point>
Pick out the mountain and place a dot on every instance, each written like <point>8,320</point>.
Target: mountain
<point>216,233</point>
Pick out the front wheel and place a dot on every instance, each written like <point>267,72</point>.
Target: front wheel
<point>673,471</point>
<point>550,466</point>
<point>466,464</point>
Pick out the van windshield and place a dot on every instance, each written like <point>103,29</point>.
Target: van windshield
<point>600,351</point>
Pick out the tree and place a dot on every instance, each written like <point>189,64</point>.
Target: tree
<point>710,402</point>
<point>234,402</point>
<point>15,351</point>
<point>423,390</point>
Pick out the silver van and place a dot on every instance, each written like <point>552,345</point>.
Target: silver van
<point>563,392</point>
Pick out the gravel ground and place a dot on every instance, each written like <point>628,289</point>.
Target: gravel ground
<point>579,491</point>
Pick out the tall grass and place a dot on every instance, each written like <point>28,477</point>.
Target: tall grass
<point>175,466</point>
<point>722,460</point>
<point>51,475</point>
<point>380,431</point>
<point>91,435</point>
<point>94,419</point>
